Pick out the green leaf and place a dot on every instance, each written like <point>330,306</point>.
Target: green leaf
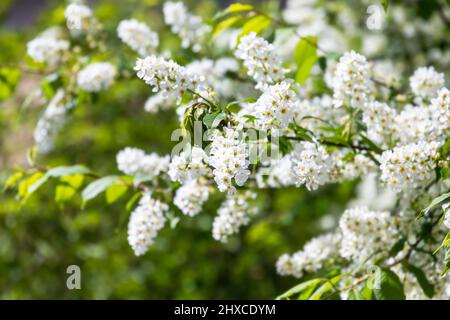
<point>238,7</point>
<point>444,243</point>
<point>397,247</point>
<point>327,286</point>
<point>115,191</point>
<point>133,200</point>
<point>74,180</point>
<point>13,180</point>
<point>256,24</point>
<point>301,288</point>
<point>9,77</point>
<point>305,55</point>
<point>64,193</point>
<point>391,287</point>
<point>371,144</point>
<point>26,187</point>
<point>364,293</point>
<point>97,187</point>
<point>212,120</point>
<point>436,201</point>
<point>225,24</point>
<point>426,286</point>
<point>67,170</point>
<point>385,4</point>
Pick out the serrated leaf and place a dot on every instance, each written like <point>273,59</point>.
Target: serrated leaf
<point>305,56</point>
<point>114,192</point>
<point>97,187</point>
<point>256,24</point>
<point>391,288</point>
<point>426,286</point>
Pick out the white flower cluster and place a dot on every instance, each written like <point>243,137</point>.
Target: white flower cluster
<point>190,197</point>
<point>188,27</point>
<point>51,123</point>
<point>415,124</point>
<point>158,102</point>
<point>275,107</point>
<point>410,166</point>
<point>278,174</point>
<point>315,253</point>
<point>168,77</point>
<point>229,158</point>
<point>351,82</point>
<point>425,82</point>
<point>135,162</point>
<point>78,16</point>
<point>47,49</point>
<point>188,165</point>
<point>360,166</point>
<point>138,36</point>
<point>262,63</point>
<point>440,108</point>
<point>145,222</point>
<point>234,213</point>
<point>366,234</point>
<point>380,121</point>
<point>312,165</point>
<point>97,76</point>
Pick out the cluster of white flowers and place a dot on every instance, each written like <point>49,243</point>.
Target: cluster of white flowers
<point>47,49</point>
<point>262,63</point>
<point>188,27</point>
<point>229,158</point>
<point>138,36</point>
<point>234,213</point>
<point>51,122</point>
<point>275,107</point>
<point>440,108</point>
<point>380,121</point>
<point>168,77</point>
<point>315,253</point>
<point>190,197</point>
<point>410,166</point>
<point>366,233</point>
<point>135,162</point>
<point>425,82</point>
<point>278,174</point>
<point>312,165</point>
<point>415,124</point>
<point>158,102</point>
<point>78,16</point>
<point>360,166</point>
<point>351,81</point>
<point>145,222</point>
<point>97,76</point>
<point>188,165</point>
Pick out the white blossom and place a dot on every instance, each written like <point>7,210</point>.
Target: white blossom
<point>188,165</point>
<point>97,76</point>
<point>78,16</point>
<point>145,222</point>
<point>261,61</point>
<point>380,121</point>
<point>188,27</point>
<point>351,81</point>
<point>426,81</point>
<point>440,109</point>
<point>47,49</point>
<point>135,162</point>
<point>138,36</point>
<point>190,197</point>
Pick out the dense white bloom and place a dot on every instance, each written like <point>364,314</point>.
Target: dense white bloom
<point>168,77</point>
<point>312,165</point>
<point>278,174</point>
<point>229,158</point>
<point>97,76</point>
<point>315,253</point>
<point>47,49</point>
<point>425,82</point>
<point>275,107</point>
<point>77,16</point>
<point>380,121</point>
<point>138,36</point>
<point>440,108</point>
<point>409,166</point>
<point>188,27</point>
<point>190,197</point>
<point>135,162</point>
<point>351,81</point>
<point>145,222</point>
<point>233,213</point>
<point>51,122</point>
<point>262,63</point>
<point>360,166</point>
<point>416,123</point>
<point>158,102</point>
<point>188,165</point>
<point>366,233</point>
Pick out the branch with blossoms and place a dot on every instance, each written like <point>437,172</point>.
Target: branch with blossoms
<point>249,122</point>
